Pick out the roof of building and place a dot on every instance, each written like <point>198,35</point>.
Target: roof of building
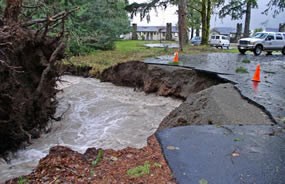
<point>155,29</point>
<point>270,29</point>
<point>224,30</point>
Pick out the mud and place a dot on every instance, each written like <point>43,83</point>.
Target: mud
<point>70,69</point>
<point>162,80</point>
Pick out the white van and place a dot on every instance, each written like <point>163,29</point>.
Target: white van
<point>219,41</point>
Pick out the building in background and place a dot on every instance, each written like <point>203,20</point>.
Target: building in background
<point>167,32</point>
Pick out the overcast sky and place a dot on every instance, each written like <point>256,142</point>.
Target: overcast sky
<point>257,20</point>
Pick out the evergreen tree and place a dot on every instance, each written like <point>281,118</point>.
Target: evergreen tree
<point>96,24</point>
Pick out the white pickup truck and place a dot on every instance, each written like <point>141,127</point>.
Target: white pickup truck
<point>263,41</point>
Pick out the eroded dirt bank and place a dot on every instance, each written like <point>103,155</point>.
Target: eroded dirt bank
<point>162,80</point>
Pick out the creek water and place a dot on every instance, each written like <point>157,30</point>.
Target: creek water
<point>97,115</point>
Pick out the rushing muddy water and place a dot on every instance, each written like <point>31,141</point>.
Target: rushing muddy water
<point>98,115</point>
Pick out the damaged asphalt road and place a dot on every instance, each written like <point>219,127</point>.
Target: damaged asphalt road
<point>225,154</point>
<point>269,94</point>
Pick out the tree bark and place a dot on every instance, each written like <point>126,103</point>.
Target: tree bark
<point>247,19</point>
<point>12,11</point>
<point>204,22</point>
<point>182,24</point>
<point>192,32</point>
<point>208,19</point>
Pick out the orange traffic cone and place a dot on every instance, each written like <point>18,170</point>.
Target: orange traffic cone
<point>175,59</point>
<point>256,76</point>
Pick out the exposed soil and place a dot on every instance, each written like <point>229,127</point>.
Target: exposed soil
<point>70,69</point>
<point>63,165</point>
<point>162,80</point>
<point>28,78</point>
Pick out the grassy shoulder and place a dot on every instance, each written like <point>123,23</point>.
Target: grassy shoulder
<point>128,50</point>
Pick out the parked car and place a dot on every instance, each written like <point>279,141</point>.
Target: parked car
<point>196,40</point>
<point>220,41</point>
<point>263,41</point>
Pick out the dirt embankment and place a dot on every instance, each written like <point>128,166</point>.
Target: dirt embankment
<point>162,80</point>
<point>28,78</point>
<point>70,69</point>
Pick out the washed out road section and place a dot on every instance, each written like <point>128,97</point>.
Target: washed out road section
<point>97,115</point>
<point>269,93</point>
<point>225,154</point>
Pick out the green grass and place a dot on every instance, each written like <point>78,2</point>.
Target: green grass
<point>128,50</point>
<point>98,158</point>
<point>241,70</point>
<point>246,61</point>
<point>139,171</point>
<point>22,180</point>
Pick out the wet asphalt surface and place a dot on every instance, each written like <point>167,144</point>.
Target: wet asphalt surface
<point>251,154</point>
<point>225,155</point>
<point>269,94</point>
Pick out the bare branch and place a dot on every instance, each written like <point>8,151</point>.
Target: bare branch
<point>54,18</point>
<point>48,68</point>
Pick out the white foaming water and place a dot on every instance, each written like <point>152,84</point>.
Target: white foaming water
<point>99,115</point>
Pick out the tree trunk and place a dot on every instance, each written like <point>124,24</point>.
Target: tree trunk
<point>247,19</point>
<point>204,22</point>
<point>208,19</point>
<point>12,11</point>
<point>182,24</point>
<point>192,32</point>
